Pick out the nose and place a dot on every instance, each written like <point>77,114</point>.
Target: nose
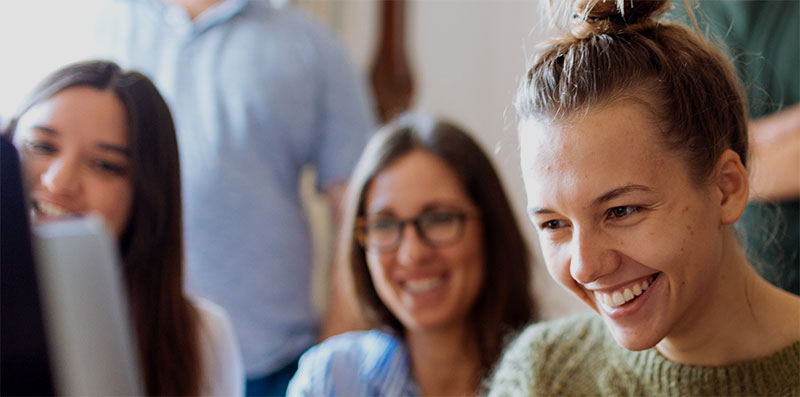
<point>412,250</point>
<point>61,177</point>
<point>592,257</point>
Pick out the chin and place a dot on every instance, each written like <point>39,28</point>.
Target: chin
<point>640,338</point>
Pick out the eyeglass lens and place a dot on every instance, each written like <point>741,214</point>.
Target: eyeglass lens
<point>437,228</point>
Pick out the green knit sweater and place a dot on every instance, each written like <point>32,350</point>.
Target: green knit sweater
<point>578,356</point>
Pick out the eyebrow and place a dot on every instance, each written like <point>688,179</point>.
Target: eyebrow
<point>46,130</point>
<point>619,192</point>
<point>605,197</point>
<point>115,148</point>
<point>105,146</point>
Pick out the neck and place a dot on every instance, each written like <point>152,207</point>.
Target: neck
<point>445,361</point>
<point>742,317</point>
<point>195,7</point>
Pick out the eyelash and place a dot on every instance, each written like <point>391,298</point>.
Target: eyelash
<point>551,225</point>
<point>106,167</point>
<point>40,147</point>
<point>44,148</point>
<point>610,214</point>
<point>554,224</point>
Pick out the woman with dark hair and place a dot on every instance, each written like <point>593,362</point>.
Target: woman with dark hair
<point>633,138</point>
<point>439,267</point>
<point>94,138</point>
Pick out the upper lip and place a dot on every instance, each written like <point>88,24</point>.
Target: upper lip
<point>67,207</point>
<point>622,285</point>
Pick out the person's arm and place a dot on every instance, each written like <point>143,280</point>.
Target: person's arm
<point>341,311</point>
<point>775,161</point>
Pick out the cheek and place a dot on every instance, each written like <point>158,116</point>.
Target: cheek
<point>676,246</point>
<point>555,261</point>
<point>114,201</point>
<point>473,255</point>
<point>375,265</point>
<point>32,170</point>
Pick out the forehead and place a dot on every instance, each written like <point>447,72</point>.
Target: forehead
<point>577,161</point>
<point>79,112</point>
<point>412,182</point>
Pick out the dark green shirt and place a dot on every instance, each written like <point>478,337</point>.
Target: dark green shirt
<point>763,39</point>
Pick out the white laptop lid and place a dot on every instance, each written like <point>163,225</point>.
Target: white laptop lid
<point>85,309</point>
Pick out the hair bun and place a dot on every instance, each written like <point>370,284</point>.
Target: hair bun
<point>607,16</point>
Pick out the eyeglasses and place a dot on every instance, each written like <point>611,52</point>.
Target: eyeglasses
<point>437,228</point>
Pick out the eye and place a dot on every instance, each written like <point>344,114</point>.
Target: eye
<point>622,211</point>
<point>40,147</point>
<point>553,225</point>
<point>107,167</point>
<point>382,224</point>
<point>438,218</point>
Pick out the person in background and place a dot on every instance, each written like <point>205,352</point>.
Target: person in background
<point>258,94</point>
<point>95,138</point>
<point>633,137</point>
<point>757,36</point>
<point>438,263</point>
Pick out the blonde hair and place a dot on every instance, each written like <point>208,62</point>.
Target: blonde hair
<point>623,49</point>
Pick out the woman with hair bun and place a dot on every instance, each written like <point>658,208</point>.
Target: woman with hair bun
<point>633,137</point>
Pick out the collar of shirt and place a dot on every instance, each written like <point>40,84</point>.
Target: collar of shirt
<point>177,17</point>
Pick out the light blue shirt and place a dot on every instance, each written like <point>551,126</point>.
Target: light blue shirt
<point>368,363</point>
<point>256,93</point>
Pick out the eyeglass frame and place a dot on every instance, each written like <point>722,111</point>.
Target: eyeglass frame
<point>461,214</point>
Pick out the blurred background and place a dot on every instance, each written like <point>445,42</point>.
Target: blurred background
<point>461,59</point>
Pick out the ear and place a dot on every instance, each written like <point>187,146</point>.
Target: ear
<point>732,183</point>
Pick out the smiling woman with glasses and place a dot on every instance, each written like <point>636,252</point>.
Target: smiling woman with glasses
<point>437,262</point>
<point>436,227</point>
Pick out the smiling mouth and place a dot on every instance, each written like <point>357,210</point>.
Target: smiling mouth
<point>625,295</point>
<point>422,285</point>
<point>50,210</point>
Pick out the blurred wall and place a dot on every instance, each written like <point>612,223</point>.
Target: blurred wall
<point>466,57</point>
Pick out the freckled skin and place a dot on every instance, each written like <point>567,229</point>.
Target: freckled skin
<point>567,166</point>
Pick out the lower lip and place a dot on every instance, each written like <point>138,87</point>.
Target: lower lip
<point>633,306</point>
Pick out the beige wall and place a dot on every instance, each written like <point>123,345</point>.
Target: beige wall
<point>467,57</point>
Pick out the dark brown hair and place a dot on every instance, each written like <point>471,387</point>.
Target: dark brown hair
<point>151,246</point>
<point>619,49</point>
<point>505,304</point>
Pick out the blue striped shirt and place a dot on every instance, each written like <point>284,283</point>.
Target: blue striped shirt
<point>367,363</point>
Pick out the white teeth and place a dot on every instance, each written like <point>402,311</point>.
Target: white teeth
<point>51,209</point>
<point>618,298</point>
<point>627,294</point>
<point>423,285</point>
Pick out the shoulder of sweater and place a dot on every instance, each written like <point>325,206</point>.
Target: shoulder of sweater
<point>564,332</point>
<point>551,357</point>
